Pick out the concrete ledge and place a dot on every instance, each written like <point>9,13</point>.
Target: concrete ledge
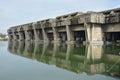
<point>95,42</point>
<point>55,41</point>
<point>70,42</point>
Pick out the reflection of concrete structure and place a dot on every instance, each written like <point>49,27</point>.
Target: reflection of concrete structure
<point>73,57</point>
<point>94,51</point>
<point>92,27</point>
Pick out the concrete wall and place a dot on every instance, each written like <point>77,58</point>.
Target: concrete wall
<point>93,23</point>
<point>111,27</point>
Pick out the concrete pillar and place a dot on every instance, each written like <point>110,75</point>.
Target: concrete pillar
<point>93,33</point>
<point>45,38</point>
<point>55,35</point>
<point>36,34</point>
<point>14,36</point>
<point>27,36</point>
<point>21,36</point>
<point>70,34</point>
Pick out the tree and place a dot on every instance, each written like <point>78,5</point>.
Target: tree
<point>2,35</point>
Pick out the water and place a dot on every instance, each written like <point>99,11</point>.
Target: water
<point>37,61</point>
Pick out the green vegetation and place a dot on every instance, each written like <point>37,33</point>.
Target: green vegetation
<point>2,35</point>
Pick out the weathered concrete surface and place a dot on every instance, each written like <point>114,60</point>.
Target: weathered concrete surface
<point>112,27</point>
<point>70,28</point>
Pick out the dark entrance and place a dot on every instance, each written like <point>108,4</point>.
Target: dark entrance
<point>79,36</point>
<point>23,35</point>
<point>50,36</point>
<point>62,36</point>
<point>112,36</point>
<point>40,34</point>
<point>17,35</point>
<point>32,35</point>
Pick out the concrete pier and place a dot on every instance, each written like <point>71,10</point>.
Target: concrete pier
<point>89,27</point>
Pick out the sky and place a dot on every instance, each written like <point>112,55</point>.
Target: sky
<point>16,12</point>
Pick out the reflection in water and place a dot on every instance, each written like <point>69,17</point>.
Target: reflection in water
<point>92,59</point>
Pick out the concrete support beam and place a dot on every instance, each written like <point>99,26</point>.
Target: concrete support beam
<point>27,35</point>
<point>45,38</point>
<point>21,36</point>
<point>93,33</point>
<point>55,35</point>
<point>14,36</point>
<point>36,34</point>
<point>70,35</point>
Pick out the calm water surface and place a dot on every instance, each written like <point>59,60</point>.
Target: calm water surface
<point>37,61</point>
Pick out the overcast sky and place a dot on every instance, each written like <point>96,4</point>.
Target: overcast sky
<point>15,12</point>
